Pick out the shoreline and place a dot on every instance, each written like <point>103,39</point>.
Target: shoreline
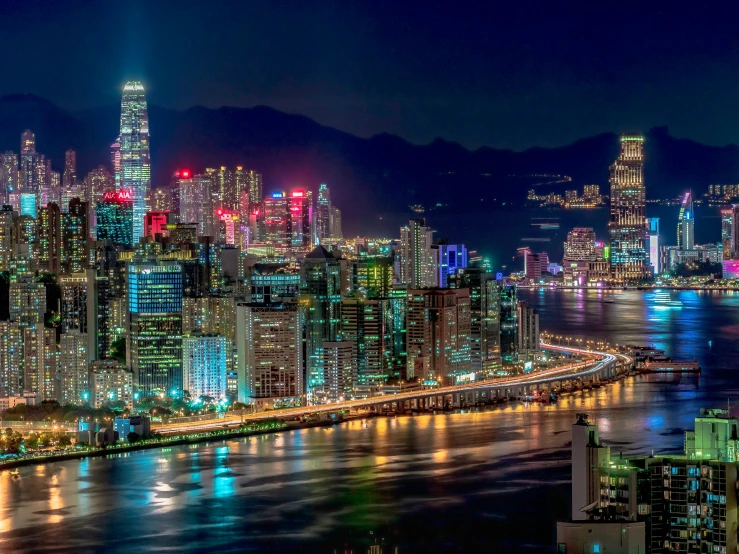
<point>227,435</point>
<point>165,443</point>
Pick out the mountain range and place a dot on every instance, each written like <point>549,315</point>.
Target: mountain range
<point>368,177</point>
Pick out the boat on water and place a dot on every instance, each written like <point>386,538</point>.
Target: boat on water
<point>663,364</point>
<point>15,474</point>
<point>663,298</point>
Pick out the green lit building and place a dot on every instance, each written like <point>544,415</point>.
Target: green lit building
<point>320,280</point>
<point>155,327</point>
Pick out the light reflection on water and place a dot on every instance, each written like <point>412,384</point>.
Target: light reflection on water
<point>422,483</point>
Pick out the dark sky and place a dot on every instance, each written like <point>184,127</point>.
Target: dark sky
<point>507,74</point>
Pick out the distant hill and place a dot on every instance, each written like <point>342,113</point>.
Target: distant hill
<point>367,177</point>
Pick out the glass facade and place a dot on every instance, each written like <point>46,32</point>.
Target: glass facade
<point>154,287</point>
<point>134,152</point>
<point>114,222</point>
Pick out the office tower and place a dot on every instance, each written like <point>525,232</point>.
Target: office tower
<point>115,162</point>
<point>591,193</point>
<point>226,187</point>
<point>323,213</point>
<point>75,237</point>
<point>301,217</point>
<point>484,316</point>
<point>228,228</point>
<point>278,221</point>
<point>367,323</point>
<point>528,331</point>
<point>339,370</point>
<point>320,274</point>
<point>728,218</point>
<point>27,301</point>
<point>155,328</point>
<point>134,151</point>
<point>446,260</point>
<point>11,358</point>
<point>416,263</point>
<point>204,364</point>
<point>98,311</point>
<point>653,230</point>
<point>25,239</point>
<point>508,323</point>
<point>40,357</point>
<point>8,174</point>
<point>686,224</point>
<point>97,183</point>
<point>254,181</point>
<point>50,239</point>
<point>155,223</point>
<point>114,216</point>
<point>28,162</point>
<point>580,245</point>
<point>335,231</point>
<point>269,353</point>
<point>69,178</point>
<point>74,302</point>
<point>438,335</point>
<point>6,236</point>
<point>161,200</point>
<point>197,205</point>
<point>74,373</point>
<point>534,263</point>
<point>28,204</point>
<point>372,275</point>
<point>110,382</point>
<point>270,283</point>
<point>627,225</point>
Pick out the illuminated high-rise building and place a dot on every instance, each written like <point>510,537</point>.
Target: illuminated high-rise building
<point>367,323</point>
<point>114,215</point>
<point>204,364</point>
<point>686,224</point>
<point>627,226</point>
<point>11,358</point>
<point>226,185</point>
<point>339,370</point>
<point>198,198</point>
<point>528,331</point>
<point>278,221</point>
<point>728,218</point>
<point>69,178</point>
<point>96,184</point>
<point>155,290</point>
<point>320,275</point>
<point>446,260</point>
<point>161,200</point>
<point>301,216</point>
<point>40,361</point>
<point>27,301</point>
<point>7,216</point>
<point>75,237</point>
<point>110,382</point>
<point>323,214</point>
<point>8,174</point>
<point>580,245</point>
<point>269,354</point>
<point>653,227</point>
<point>74,373</point>
<point>155,223</point>
<point>134,150</point>
<point>508,309</point>
<point>438,334</point>
<point>255,187</point>
<point>28,204</point>
<point>27,162</point>
<point>50,238</point>
<point>416,259</point>
<point>115,162</point>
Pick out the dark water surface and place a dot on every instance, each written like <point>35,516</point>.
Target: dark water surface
<point>493,481</point>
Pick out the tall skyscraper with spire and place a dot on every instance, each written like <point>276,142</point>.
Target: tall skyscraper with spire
<point>134,152</point>
<point>627,227</point>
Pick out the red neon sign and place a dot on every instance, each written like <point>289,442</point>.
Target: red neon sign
<point>118,196</point>
<point>185,173</point>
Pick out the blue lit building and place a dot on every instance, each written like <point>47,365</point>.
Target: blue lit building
<point>155,290</point>
<point>115,221</point>
<point>28,204</point>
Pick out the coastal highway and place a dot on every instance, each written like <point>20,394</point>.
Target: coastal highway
<point>599,362</point>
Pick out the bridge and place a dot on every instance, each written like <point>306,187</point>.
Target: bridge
<point>600,366</point>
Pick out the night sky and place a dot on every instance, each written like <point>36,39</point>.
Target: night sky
<point>508,74</point>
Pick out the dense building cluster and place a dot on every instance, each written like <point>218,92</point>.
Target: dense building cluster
<point>208,287</point>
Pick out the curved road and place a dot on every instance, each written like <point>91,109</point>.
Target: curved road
<point>581,369</point>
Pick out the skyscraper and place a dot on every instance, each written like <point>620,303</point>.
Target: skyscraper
<point>653,225</point>
<point>204,364</point>
<point>686,224</point>
<point>321,295</point>
<point>155,337</point>
<point>134,150</point>
<point>323,213</point>
<point>114,217</point>
<point>69,179</point>
<point>416,262</point>
<point>627,227</point>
